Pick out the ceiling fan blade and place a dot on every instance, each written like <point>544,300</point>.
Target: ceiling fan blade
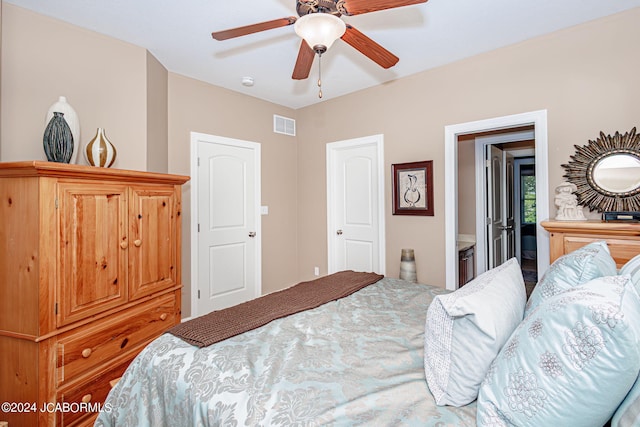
<point>369,48</point>
<point>357,7</point>
<point>304,61</point>
<point>254,28</point>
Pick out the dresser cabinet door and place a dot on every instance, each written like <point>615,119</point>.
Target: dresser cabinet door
<point>92,249</point>
<point>153,240</point>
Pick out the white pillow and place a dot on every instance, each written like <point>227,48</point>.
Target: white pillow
<point>466,329</point>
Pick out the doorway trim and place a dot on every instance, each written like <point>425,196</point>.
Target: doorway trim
<point>536,118</point>
<point>196,138</point>
<point>332,148</point>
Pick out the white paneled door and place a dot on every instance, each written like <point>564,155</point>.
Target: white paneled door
<point>228,222</point>
<point>494,202</point>
<point>500,212</point>
<point>355,183</point>
<point>509,207</point>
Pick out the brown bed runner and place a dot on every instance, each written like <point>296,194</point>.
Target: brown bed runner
<point>220,325</point>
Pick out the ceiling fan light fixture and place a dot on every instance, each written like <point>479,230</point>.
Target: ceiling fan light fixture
<point>320,30</point>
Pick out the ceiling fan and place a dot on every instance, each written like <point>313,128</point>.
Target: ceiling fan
<point>319,25</point>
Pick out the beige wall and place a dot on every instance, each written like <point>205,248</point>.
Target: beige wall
<point>466,187</point>
<point>148,114</point>
<point>585,76</point>
<point>195,106</point>
<point>157,116</point>
<point>103,79</point>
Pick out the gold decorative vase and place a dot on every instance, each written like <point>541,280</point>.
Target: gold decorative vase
<point>100,151</point>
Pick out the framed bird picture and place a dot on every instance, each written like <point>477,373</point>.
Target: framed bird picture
<point>413,188</point>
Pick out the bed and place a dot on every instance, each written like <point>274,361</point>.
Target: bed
<point>374,357</point>
<point>357,360</point>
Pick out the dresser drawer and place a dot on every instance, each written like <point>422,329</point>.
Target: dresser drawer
<point>91,345</point>
<point>622,249</point>
<point>84,400</point>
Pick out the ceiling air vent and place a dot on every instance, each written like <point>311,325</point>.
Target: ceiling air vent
<point>284,125</point>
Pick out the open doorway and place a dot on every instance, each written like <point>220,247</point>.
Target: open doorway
<point>536,122</point>
<point>496,198</point>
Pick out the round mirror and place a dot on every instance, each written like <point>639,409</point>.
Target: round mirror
<point>606,172</point>
<point>617,173</point>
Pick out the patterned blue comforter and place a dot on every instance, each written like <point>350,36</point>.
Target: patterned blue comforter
<point>355,361</point>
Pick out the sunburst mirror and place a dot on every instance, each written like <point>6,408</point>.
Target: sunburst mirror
<point>607,172</point>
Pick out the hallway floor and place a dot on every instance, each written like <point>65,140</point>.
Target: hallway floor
<point>530,274</point>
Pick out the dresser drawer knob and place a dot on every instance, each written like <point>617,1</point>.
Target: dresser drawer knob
<point>123,245</point>
<point>86,398</point>
<point>86,352</point>
<point>164,316</point>
<point>137,243</point>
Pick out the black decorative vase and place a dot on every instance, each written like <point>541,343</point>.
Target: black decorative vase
<point>58,140</point>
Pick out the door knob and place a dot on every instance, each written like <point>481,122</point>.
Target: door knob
<point>339,232</point>
<point>252,234</point>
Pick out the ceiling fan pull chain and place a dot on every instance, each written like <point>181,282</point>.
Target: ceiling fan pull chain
<point>319,75</point>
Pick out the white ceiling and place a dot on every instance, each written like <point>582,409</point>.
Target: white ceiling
<point>178,34</point>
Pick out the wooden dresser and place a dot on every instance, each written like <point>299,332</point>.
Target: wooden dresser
<point>89,274</point>
<point>623,238</point>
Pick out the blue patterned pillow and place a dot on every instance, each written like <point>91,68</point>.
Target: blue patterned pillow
<point>573,269</point>
<point>632,268</point>
<point>465,330</point>
<point>628,413</point>
<point>570,362</point>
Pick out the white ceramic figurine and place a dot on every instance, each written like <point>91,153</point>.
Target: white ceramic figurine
<point>567,203</point>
